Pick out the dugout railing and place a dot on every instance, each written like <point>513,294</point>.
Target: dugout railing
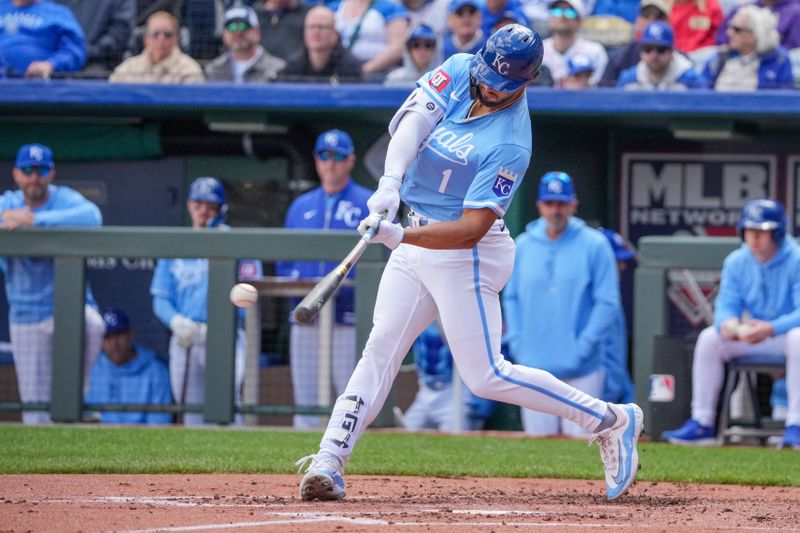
<point>70,249</point>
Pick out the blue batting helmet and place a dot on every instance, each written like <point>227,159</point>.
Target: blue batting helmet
<point>510,58</point>
<point>764,214</point>
<point>210,190</point>
<point>556,186</point>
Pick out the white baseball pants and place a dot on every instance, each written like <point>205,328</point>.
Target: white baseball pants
<point>708,370</point>
<point>545,425</point>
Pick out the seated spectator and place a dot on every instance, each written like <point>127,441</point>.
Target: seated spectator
<point>565,24</point>
<point>753,59</point>
<point>203,22</point>
<point>661,68</point>
<point>695,23</point>
<point>127,372</point>
<point>624,9</point>
<point>107,25</point>
<point>161,61</point>
<point>538,14</point>
<point>788,13</point>
<point>245,59</point>
<point>38,38</point>
<point>465,21</point>
<point>421,55</point>
<point>322,58</point>
<point>494,10</point>
<point>281,26</point>
<point>374,31</point>
<point>432,13</point>
<point>579,71</point>
<point>628,55</point>
<point>509,17</point>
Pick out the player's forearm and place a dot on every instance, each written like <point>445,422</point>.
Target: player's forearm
<point>411,131</point>
<point>455,235</point>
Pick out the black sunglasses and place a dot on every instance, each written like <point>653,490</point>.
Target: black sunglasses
<point>657,49</point>
<point>327,155</point>
<point>469,10</point>
<point>430,45</point>
<point>41,171</point>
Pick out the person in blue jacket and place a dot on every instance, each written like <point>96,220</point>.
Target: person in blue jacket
<point>38,38</point>
<point>757,311</point>
<point>562,298</point>
<point>29,280</point>
<point>337,204</point>
<point>127,372</point>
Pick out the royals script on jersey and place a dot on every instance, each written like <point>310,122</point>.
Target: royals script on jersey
<point>467,163</point>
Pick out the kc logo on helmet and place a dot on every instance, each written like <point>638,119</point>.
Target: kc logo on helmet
<point>439,80</point>
<point>500,65</point>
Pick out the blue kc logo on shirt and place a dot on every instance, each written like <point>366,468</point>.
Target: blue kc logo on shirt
<point>504,182</point>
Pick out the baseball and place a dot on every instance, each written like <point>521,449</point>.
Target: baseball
<point>243,295</point>
<point>743,329</point>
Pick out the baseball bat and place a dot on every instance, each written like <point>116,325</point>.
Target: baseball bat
<point>310,305</point>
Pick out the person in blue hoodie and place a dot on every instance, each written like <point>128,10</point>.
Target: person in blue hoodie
<point>757,311</point>
<point>337,204</point>
<point>127,372</point>
<point>562,298</point>
<point>38,38</point>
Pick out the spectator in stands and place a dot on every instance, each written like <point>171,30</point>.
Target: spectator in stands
<point>660,67</point>
<point>564,40</point>
<point>374,31</point>
<point>420,56</point>
<point>757,312</point>
<point>695,23</point>
<point>465,23</point>
<point>494,10</point>
<point>788,13</point>
<point>628,55</point>
<point>624,9</point>
<point>508,17</point>
<point>127,372</point>
<point>432,13</point>
<point>29,281</point>
<point>39,38</point>
<point>753,58</point>
<point>3,67</point>
<point>338,204</point>
<point>322,58</point>
<point>245,59</point>
<point>161,61</point>
<point>562,297</point>
<point>282,26</point>
<point>579,71</point>
<point>107,25</point>
<point>203,21</point>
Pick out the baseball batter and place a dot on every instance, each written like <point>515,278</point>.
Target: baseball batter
<point>180,299</point>
<point>29,280</point>
<point>461,144</point>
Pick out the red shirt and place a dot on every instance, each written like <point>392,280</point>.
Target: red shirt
<point>695,23</point>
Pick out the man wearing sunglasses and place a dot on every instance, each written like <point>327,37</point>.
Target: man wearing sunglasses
<point>421,54</point>
<point>465,35</point>
<point>660,67</point>
<point>29,280</point>
<point>494,10</point>
<point>338,204</point>
<point>564,41</point>
<point>245,60</point>
<point>161,61</point>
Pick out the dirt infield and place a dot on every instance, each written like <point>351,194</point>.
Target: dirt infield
<point>91,503</point>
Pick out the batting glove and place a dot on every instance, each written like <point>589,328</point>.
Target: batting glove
<point>386,198</point>
<point>389,234</point>
<point>184,329</point>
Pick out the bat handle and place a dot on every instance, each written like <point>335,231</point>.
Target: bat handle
<point>370,233</point>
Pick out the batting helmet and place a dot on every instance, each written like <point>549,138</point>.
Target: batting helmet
<point>510,58</point>
<point>556,186</point>
<point>210,190</point>
<point>764,214</point>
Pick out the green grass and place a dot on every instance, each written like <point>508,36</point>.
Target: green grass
<point>70,449</point>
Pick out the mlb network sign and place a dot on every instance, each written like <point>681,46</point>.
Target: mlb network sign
<point>690,194</point>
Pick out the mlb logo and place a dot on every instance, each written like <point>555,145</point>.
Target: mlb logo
<point>503,183</point>
<point>662,388</point>
<point>439,80</point>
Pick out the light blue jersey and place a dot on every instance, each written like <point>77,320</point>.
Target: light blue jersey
<point>460,165</point>
<point>29,280</point>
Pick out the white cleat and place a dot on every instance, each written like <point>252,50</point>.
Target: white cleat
<point>618,448</point>
<point>323,478</point>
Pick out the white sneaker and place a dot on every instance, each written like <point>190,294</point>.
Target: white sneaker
<point>618,448</point>
<point>324,478</point>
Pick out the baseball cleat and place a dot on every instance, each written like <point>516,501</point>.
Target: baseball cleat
<point>791,437</point>
<point>618,448</point>
<point>323,479</point>
<point>691,433</point>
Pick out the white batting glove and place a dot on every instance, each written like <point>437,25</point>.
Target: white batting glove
<point>184,329</point>
<point>387,197</point>
<point>388,234</point>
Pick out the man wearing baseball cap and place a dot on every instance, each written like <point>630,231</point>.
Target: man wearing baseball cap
<point>579,71</point>
<point>660,68</point>
<point>562,297</point>
<point>421,55</point>
<point>127,372</point>
<point>565,40</point>
<point>338,204</point>
<point>465,21</point>
<point>245,60</point>
<point>29,280</point>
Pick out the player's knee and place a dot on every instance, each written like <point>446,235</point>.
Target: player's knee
<point>793,345</point>
<point>708,342</point>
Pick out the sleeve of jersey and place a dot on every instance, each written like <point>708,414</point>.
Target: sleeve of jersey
<point>439,82</point>
<point>70,209</point>
<point>498,178</point>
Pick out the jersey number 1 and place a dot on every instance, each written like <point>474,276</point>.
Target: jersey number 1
<point>445,178</point>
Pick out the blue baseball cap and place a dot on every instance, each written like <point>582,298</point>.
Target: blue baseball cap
<point>34,155</point>
<point>422,32</point>
<point>622,252</point>
<point>116,321</point>
<point>335,141</point>
<point>455,5</point>
<point>578,63</point>
<point>556,186</point>
<point>659,34</point>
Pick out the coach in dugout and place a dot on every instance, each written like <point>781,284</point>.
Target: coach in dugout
<point>29,280</point>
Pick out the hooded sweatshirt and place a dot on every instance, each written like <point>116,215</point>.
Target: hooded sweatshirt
<point>562,299</point>
<point>408,74</point>
<point>680,76</point>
